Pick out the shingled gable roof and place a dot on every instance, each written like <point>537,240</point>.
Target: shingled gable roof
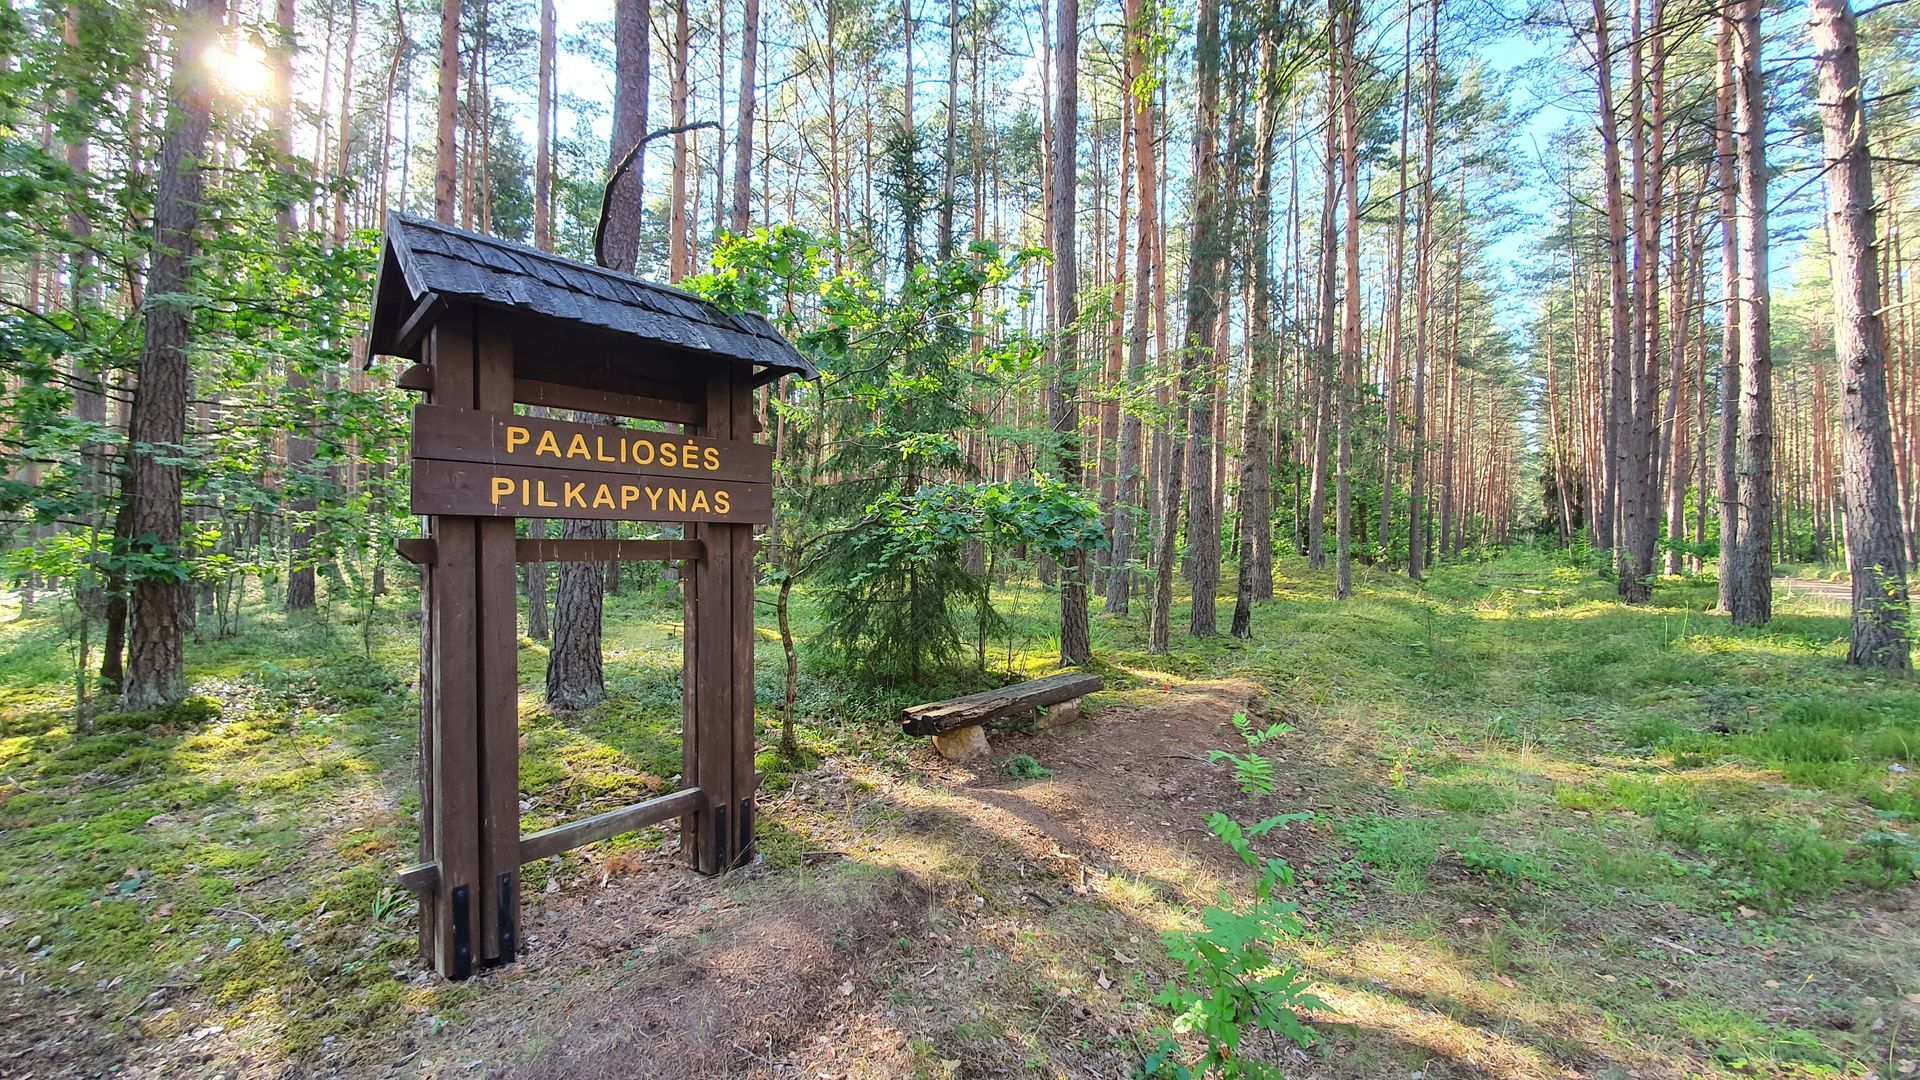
<point>422,257</point>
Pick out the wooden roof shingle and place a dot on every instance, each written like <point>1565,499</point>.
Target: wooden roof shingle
<point>421,257</point>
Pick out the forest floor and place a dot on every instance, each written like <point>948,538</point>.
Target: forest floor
<point>1551,836</point>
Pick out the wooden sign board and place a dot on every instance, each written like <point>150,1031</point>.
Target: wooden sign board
<point>486,464</point>
<point>491,326</point>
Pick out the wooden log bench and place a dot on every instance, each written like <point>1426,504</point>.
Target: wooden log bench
<point>958,725</point>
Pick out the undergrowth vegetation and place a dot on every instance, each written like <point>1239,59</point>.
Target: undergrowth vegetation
<point>1515,779</point>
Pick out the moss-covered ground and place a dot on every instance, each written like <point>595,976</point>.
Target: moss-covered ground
<point>1553,835</point>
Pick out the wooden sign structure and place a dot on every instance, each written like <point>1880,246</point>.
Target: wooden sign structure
<point>491,325</point>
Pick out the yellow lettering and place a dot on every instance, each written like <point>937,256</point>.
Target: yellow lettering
<point>540,499</point>
<point>623,449</point>
<point>722,502</point>
<point>713,459</point>
<point>517,436</point>
<point>642,446</point>
<point>677,500</point>
<point>669,455</point>
<point>603,497</point>
<point>600,448</point>
<point>547,445</point>
<point>690,456</point>
<point>571,493</point>
<point>502,487</point>
<point>628,493</point>
<point>578,447</point>
<point>653,498</point>
<point>699,503</point>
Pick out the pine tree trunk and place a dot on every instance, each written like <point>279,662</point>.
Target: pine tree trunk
<point>1725,162</point>
<point>1128,488</point>
<point>1202,309</point>
<point>1063,409</point>
<point>574,676</point>
<point>444,165</point>
<point>1752,571</point>
<point>737,219</point>
<point>1255,548</point>
<point>1350,327</point>
<point>679,244</point>
<point>1205,286</point>
<point>1875,555</point>
<point>1324,378</point>
<point>156,666</point>
<point>1621,498</point>
<point>1422,306</point>
<point>631,44</point>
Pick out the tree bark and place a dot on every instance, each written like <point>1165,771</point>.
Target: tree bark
<point>1725,161</point>
<point>444,147</point>
<point>737,219</point>
<point>1063,409</point>
<point>1752,570</point>
<point>1350,326</point>
<point>1202,304</point>
<point>1323,381</point>
<point>1422,304</point>
<point>1205,286</point>
<point>156,666</point>
<point>631,74</point>
<point>1128,487</point>
<point>1256,503</point>
<point>1875,545</point>
<point>1622,493</point>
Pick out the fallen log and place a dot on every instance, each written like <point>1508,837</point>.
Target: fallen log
<point>939,717</point>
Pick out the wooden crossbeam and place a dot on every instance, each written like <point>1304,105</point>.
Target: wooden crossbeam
<point>549,842</point>
<point>530,551</point>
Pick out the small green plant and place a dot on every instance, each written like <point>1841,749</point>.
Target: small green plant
<point>1255,736</point>
<point>1251,770</point>
<point>390,904</point>
<point>1491,861</point>
<point>1232,979</point>
<point>1024,767</point>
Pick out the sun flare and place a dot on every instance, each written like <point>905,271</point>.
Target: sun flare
<point>240,68</point>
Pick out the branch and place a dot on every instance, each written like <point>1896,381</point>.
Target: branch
<point>620,170</point>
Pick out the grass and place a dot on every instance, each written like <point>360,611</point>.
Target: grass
<point>1650,800</point>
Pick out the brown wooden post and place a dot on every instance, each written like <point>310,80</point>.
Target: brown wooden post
<point>450,737</point>
<point>741,635</point>
<point>499,671</point>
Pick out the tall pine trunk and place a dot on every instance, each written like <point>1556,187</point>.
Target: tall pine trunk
<point>743,152</point>
<point>1350,327</point>
<point>1255,548</point>
<point>1725,167</point>
<point>1128,487</point>
<point>1063,409</point>
<point>575,678</point>
<point>1202,308</point>
<point>155,672</point>
<point>1422,306</point>
<point>1875,555</point>
<point>444,146</point>
<point>1752,570</point>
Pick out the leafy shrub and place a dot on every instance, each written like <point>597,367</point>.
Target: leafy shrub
<point>1024,767</point>
<point>1231,979</point>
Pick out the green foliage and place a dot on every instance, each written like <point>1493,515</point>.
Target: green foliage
<point>1233,979</point>
<point>1024,767</point>
<point>1488,859</point>
<point>1252,771</point>
<point>891,515</point>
